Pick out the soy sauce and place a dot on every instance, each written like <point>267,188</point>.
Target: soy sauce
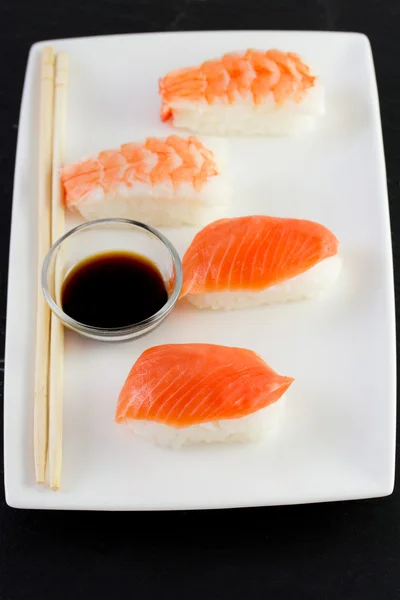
<point>114,289</point>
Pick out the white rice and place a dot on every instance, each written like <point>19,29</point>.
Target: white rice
<point>251,428</point>
<point>159,206</point>
<point>311,284</point>
<point>246,118</point>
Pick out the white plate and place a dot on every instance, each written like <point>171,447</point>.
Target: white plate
<point>337,439</point>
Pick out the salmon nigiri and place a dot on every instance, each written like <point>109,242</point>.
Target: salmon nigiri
<point>253,260</point>
<point>161,182</point>
<point>253,92</point>
<point>185,393</point>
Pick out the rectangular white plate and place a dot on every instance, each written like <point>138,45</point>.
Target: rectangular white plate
<point>337,438</point>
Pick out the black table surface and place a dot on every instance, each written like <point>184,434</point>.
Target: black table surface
<point>345,550</point>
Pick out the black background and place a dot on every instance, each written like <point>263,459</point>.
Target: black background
<point>343,551</point>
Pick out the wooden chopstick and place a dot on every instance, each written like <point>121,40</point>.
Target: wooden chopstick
<point>40,394</point>
<point>56,378</point>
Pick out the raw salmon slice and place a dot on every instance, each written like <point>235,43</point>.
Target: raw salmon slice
<point>181,385</point>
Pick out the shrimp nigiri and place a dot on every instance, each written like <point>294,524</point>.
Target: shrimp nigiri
<point>187,393</point>
<point>255,92</point>
<point>160,182</point>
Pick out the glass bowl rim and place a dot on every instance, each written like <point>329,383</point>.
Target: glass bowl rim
<point>113,331</point>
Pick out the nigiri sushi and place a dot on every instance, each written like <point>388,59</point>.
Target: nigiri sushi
<point>189,393</point>
<point>161,182</point>
<point>255,92</point>
<point>249,261</point>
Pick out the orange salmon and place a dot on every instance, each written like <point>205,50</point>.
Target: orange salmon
<point>187,384</point>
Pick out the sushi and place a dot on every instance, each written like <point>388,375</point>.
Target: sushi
<point>249,261</point>
<point>179,394</point>
<point>255,92</point>
<point>160,182</point>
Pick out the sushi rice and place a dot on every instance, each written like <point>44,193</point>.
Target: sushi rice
<point>252,428</point>
<point>159,206</point>
<point>314,283</point>
<point>246,118</point>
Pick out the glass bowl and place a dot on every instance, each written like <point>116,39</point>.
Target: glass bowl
<point>110,235</point>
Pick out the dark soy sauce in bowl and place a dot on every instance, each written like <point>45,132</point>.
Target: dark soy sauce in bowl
<point>113,289</point>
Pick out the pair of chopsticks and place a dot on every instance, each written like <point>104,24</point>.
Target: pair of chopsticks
<point>49,351</point>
